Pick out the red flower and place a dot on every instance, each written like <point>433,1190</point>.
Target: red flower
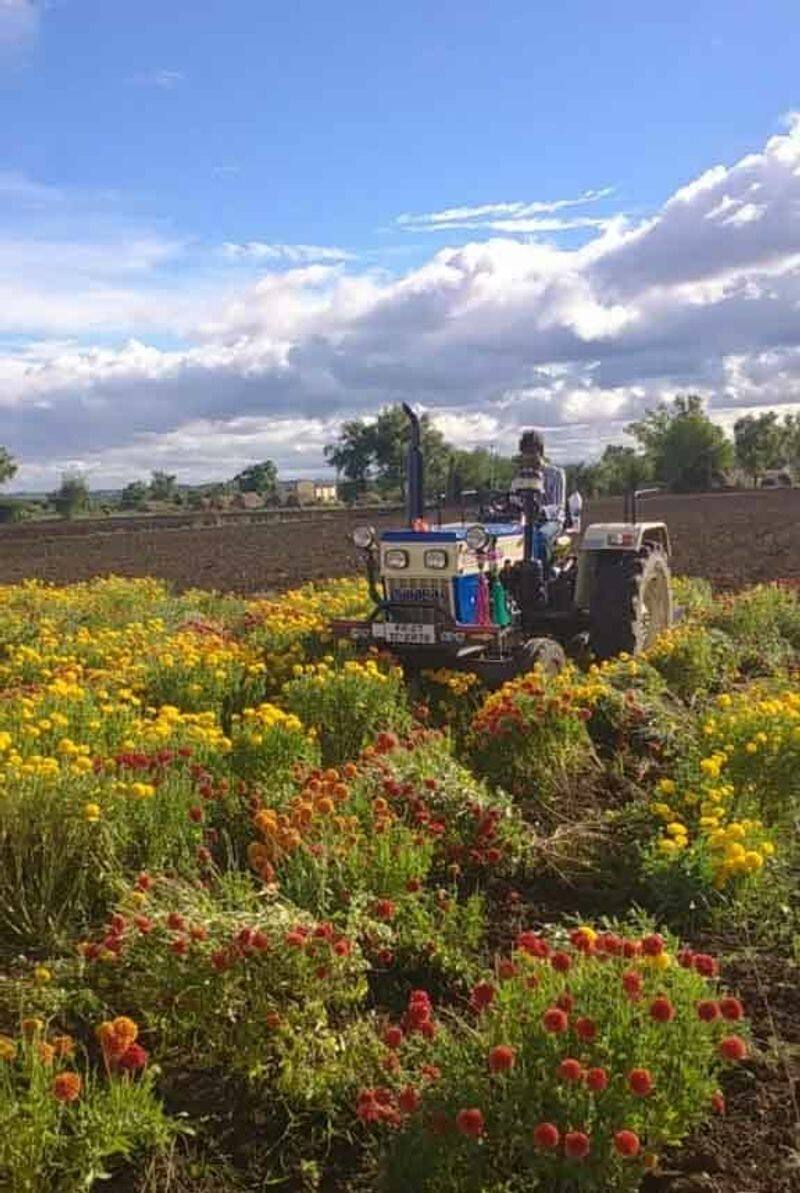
<point>581,940</point>
<point>502,1059</point>
<point>196,813</point>
<point>430,1072</point>
<point>409,1099</point>
<point>640,1082</point>
<point>413,885</point>
<point>561,962</point>
<point>653,945</point>
<point>482,996</point>
<point>342,948</point>
<point>260,941</point>
<point>221,960</point>
<point>662,1010</point>
<point>133,1058</point>
<point>631,948</point>
<point>565,1002</point>
<point>385,910</point>
<point>731,1009</point>
<point>632,983</point>
<point>295,939</point>
<point>470,1122</point>
<point>555,1020</point>
<point>143,923</point>
<point>708,1010</point>
<point>733,1048</point>
<point>627,1143</point>
<point>176,922</point>
<point>506,969</point>
<point>718,1102</point>
<point>586,1028</point>
<point>577,1145</point>
<point>144,882</point>
<point>67,1086</point>
<point>570,1070</point>
<point>546,1136</point>
<point>685,958</point>
<point>179,946</point>
<point>535,946</point>
<point>393,1037</point>
<point>705,965</point>
<point>428,1029</point>
<point>597,1080</point>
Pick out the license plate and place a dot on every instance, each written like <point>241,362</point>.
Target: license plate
<point>411,634</point>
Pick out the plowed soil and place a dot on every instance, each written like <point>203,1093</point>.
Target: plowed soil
<point>733,539</point>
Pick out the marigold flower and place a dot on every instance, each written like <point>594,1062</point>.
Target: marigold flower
<point>731,1008</point>
<point>653,945</point>
<point>8,1048</point>
<point>597,1080</point>
<point>125,1029</point>
<point>555,1020</point>
<point>705,965</point>
<point>570,1070</point>
<point>627,1143</point>
<point>31,1027</point>
<point>561,962</point>
<point>502,1059</point>
<point>46,1053</point>
<point>67,1086</point>
<point>586,1028</point>
<point>546,1136</point>
<point>565,1002</point>
<point>662,1010</point>
<point>577,1145</point>
<point>133,1059</point>
<point>393,1037</point>
<point>482,996</point>
<point>708,1010</point>
<point>640,1082</point>
<point>470,1122</point>
<point>733,1048</point>
<point>63,1045</point>
<point>409,1099</point>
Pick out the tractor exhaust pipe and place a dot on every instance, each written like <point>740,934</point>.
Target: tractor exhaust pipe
<point>415,501</point>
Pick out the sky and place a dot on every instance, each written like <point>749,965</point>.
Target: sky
<point>227,226</point>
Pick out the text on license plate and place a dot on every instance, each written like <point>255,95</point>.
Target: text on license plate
<point>389,631</point>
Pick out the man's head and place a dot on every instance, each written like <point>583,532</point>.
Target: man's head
<point>531,447</point>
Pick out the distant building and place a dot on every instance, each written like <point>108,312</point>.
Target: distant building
<point>306,492</point>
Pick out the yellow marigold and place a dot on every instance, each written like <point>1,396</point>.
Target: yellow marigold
<point>8,1048</point>
<point>91,812</point>
<point>31,1027</point>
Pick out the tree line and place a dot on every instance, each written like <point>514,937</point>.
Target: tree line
<point>675,445</point>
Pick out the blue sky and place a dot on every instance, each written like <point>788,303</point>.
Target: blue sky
<point>224,226</point>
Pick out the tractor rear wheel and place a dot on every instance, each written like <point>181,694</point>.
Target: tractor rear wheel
<point>630,602</point>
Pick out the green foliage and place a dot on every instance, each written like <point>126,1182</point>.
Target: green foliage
<point>257,478</point>
<point>759,443</point>
<point>133,496</point>
<point>687,451</point>
<point>162,486</point>
<point>8,465</point>
<point>694,660</point>
<point>72,497</point>
<point>64,1146</point>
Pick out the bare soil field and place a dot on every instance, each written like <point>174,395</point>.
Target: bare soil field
<point>733,539</point>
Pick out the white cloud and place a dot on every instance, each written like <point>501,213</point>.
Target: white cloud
<point>215,368</point>
<point>487,214</point>
<point>294,254</point>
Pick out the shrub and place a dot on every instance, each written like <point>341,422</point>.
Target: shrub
<point>694,660</point>
<point>64,1124</point>
<point>531,737</point>
<point>573,1066</point>
<point>347,706</point>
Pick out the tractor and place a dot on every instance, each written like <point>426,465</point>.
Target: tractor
<point>502,594</point>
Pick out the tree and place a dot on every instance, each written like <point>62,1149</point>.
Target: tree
<point>790,442</point>
<point>133,496</point>
<point>8,465</point>
<point>686,450</point>
<point>72,496</point>
<point>351,456</point>
<point>257,478</point>
<point>162,486</point>
<point>759,443</point>
<point>622,468</point>
<point>479,469</point>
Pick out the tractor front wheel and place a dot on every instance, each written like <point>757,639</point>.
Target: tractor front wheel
<point>630,602</point>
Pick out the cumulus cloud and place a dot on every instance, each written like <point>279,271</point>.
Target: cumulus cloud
<point>490,336</point>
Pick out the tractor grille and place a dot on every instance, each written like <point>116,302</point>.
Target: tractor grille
<point>410,591</point>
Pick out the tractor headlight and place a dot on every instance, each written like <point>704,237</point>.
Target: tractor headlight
<point>395,558</point>
<point>435,559</point>
<point>363,537</point>
<point>477,537</point>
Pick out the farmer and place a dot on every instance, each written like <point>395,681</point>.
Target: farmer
<point>537,474</point>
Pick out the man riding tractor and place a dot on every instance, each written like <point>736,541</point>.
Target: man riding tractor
<point>516,588</point>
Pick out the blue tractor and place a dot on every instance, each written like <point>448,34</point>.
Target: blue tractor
<point>520,585</point>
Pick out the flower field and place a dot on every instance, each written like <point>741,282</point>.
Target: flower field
<point>272,918</point>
